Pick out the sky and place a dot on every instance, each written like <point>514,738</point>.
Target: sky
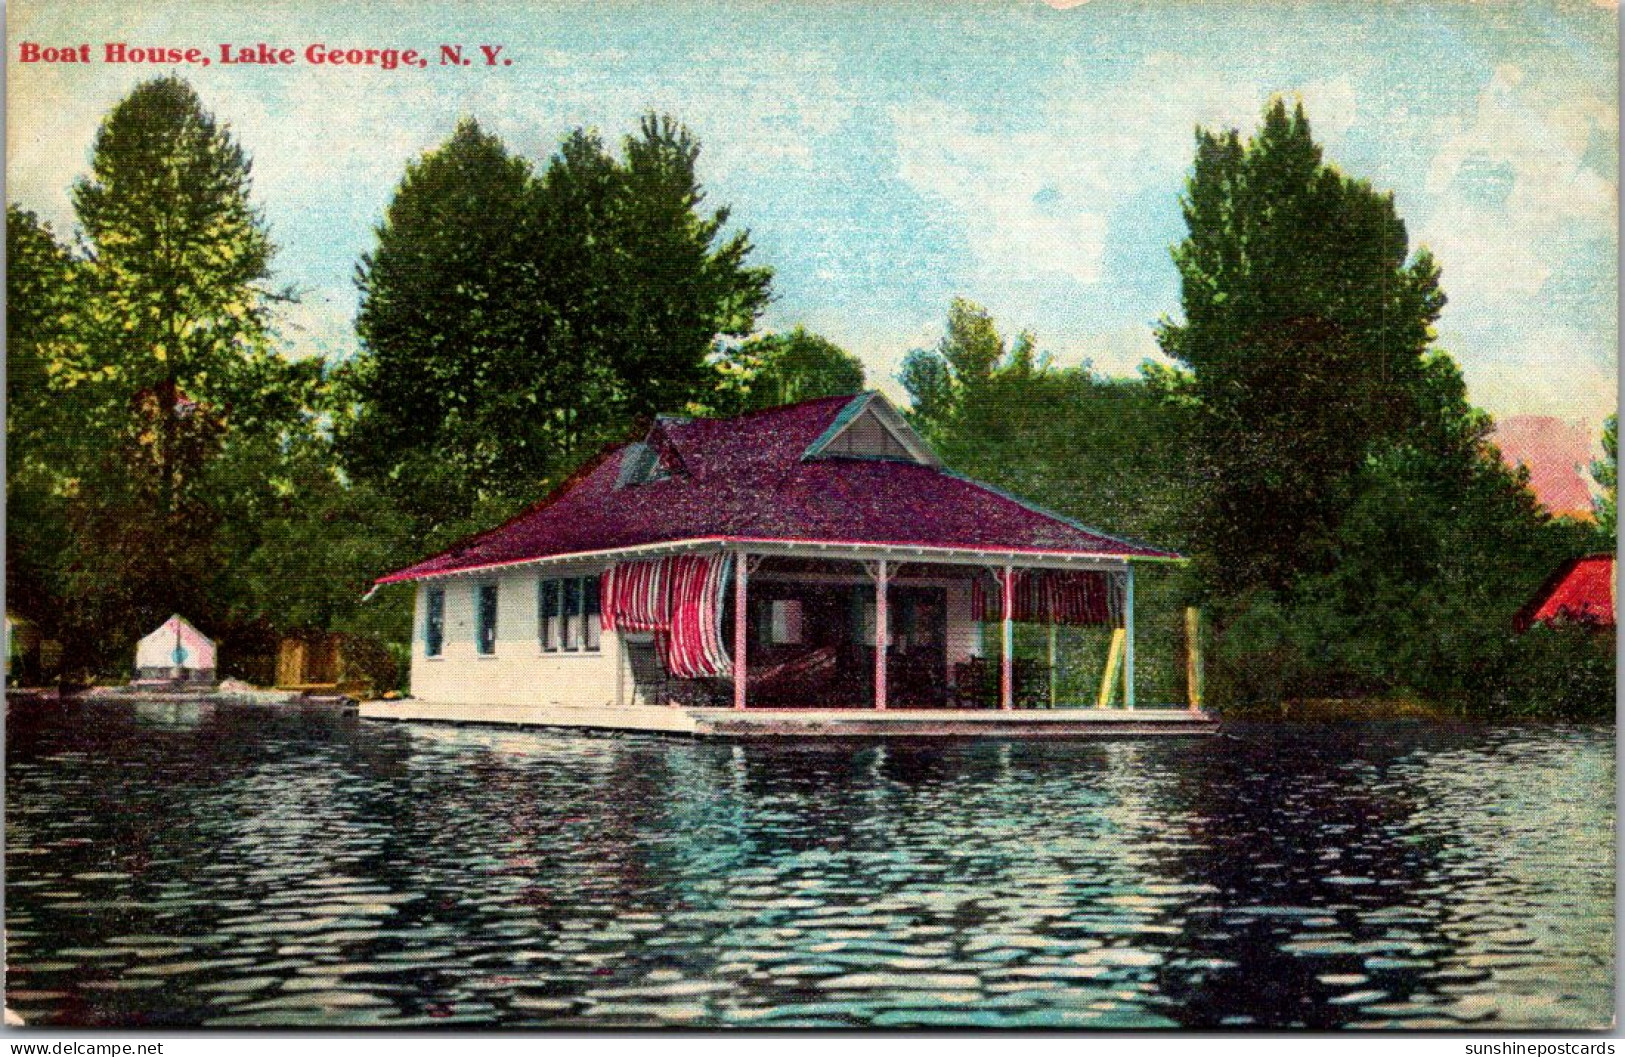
<point>887,157</point>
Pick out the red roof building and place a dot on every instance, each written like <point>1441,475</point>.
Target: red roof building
<point>1581,592</point>
<point>819,550</point>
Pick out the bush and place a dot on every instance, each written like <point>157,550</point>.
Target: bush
<point>374,662</point>
<point>1564,671</point>
<point>1451,652</point>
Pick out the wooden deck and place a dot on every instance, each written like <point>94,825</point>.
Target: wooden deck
<point>815,722</point>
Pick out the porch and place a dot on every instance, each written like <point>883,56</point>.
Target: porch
<point>927,637</point>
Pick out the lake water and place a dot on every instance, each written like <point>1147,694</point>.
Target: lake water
<point>172,864</point>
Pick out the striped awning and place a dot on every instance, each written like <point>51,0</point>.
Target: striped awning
<point>1044,596</point>
<point>679,598</point>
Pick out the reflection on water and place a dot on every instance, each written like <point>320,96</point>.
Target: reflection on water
<point>240,866</point>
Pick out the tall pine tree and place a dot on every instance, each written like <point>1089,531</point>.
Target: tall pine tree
<point>152,420</point>
<point>178,310</point>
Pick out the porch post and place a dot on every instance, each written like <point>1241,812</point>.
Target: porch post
<point>882,634</point>
<point>741,628</point>
<point>1007,676</point>
<point>1193,658</point>
<point>1128,636</point>
<point>619,640</point>
<point>1052,660</point>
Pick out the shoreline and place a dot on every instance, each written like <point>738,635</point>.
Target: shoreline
<point>1306,710</point>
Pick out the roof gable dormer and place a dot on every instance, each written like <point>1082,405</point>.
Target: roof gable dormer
<point>654,458</point>
<point>871,428</point>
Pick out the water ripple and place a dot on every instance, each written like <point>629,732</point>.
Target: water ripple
<point>228,866</point>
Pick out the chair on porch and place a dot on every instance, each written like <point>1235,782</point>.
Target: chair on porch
<point>650,684</point>
<point>976,684</point>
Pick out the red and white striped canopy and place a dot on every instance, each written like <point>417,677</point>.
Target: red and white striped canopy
<point>679,598</point>
<point>1044,596</point>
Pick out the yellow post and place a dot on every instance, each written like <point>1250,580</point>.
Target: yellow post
<point>1052,664</point>
<point>1114,660</point>
<point>1193,657</point>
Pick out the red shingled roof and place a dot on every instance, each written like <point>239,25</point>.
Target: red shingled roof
<point>1581,592</point>
<point>745,479</point>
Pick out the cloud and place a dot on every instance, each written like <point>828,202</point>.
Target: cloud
<point>1025,202</point>
<point>1511,181</point>
<point>1036,200</point>
<point>1333,106</point>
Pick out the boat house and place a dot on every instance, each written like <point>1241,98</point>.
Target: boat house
<point>812,568</point>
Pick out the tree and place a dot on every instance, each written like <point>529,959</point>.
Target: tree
<point>1605,472</point>
<point>929,382</point>
<point>177,259</point>
<point>641,279</point>
<point>1441,545</point>
<point>153,425</point>
<point>954,380</point>
<point>512,324</point>
<point>679,283</point>
<point>42,291</point>
<point>776,369</point>
<point>45,452</point>
<point>1107,452</point>
<point>454,393</point>
<point>1305,323</point>
<point>1356,531</point>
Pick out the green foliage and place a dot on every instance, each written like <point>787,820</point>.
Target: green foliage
<point>770,370</point>
<point>672,289</point>
<point>1109,453</point>
<point>1303,318</point>
<point>512,324</point>
<point>1356,532</point>
<point>448,392</point>
<point>162,451</point>
<point>1440,547</point>
<point>1605,472</point>
<point>1565,672</point>
<point>43,463</point>
<point>177,257</point>
<point>929,382</point>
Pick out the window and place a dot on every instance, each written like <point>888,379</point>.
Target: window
<point>572,615</point>
<point>593,620</point>
<point>485,624</point>
<point>863,623</point>
<point>568,616</point>
<point>641,465</point>
<point>786,622</point>
<point>434,622</point>
<point>547,615</point>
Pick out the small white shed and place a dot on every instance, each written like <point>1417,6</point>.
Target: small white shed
<point>175,653</point>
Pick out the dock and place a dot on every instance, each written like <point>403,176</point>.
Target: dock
<point>813,722</point>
